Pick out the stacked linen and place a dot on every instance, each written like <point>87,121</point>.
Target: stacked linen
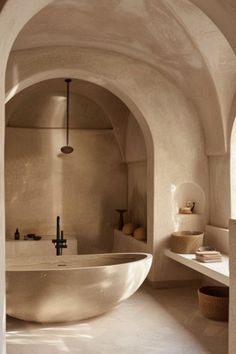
<point>208,256</point>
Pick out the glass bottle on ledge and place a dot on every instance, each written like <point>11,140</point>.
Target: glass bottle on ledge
<point>17,234</point>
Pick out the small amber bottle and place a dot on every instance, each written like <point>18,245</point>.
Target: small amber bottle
<point>17,234</point>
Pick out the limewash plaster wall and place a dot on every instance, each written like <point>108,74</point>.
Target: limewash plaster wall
<point>219,178</point>
<point>179,152</point>
<point>137,193</point>
<point>10,25</point>
<point>136,158</point>
<point>43,106</point>
<point>232,305</point>
<point>84,188</point>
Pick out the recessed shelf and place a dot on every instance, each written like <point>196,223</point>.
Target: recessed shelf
<point>218,271</point>
<point>128,243</point>
<point>193,214</point>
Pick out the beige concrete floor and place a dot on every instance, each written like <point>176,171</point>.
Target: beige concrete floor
<point>151,321</point>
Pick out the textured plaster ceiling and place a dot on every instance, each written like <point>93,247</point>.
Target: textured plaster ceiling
<point>144,27</point>
<point>173,36</point>
<point>44,106</point>
<point>223,14</point>
<point>127,22</point>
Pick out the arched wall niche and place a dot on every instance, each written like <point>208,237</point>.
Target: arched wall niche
<point>114,89</point>
<point>115,176</point>
<point>100,78</point>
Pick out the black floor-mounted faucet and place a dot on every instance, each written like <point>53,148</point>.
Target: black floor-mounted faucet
<point>59,242</point>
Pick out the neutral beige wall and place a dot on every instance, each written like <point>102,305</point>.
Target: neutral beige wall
<point>232,307</point>
<point>136,157</point>
<point>137,193</point>
<point>84,188</point>
<point>219,175</point>
<point>135,149</point>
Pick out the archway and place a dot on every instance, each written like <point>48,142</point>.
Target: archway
<point>114,165</point>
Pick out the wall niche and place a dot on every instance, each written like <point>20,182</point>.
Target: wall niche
<point>107,169</point>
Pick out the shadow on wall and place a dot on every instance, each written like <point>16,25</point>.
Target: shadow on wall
<point>94,184</point>
<point>84,188</point>
<point>137,192</point>
<point>138,208</point>
<point>27,175</point>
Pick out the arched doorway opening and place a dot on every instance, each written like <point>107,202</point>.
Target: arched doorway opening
<point>96,114</point>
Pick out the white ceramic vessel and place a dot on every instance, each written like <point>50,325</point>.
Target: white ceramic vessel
<point>71,288</point>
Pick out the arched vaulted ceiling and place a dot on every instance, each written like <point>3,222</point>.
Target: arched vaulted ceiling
<point>175,37</point>
<point>44,106</point>
<point>223,14</point>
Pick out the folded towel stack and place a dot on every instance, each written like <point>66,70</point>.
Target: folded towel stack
<point>208,256</point>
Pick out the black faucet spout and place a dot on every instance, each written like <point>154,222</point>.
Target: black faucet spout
<point>59,242</point>
<point>58,227</point>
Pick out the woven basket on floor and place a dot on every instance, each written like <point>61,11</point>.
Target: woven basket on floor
<point>186,241</point>
<point>214,302</point>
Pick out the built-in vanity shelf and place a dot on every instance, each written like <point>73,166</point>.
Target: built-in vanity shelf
<point>126,243</point>
<point>218,271</point>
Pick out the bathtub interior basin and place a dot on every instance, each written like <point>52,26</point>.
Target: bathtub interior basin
<point>72,288</point>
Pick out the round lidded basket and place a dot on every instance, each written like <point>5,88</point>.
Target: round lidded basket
<point>214,302</point>
<point>186,241</point>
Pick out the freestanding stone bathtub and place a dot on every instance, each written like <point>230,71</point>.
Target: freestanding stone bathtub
<point>71,288</point>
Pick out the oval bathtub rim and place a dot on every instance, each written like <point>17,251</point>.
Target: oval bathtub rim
<point>148,257</point>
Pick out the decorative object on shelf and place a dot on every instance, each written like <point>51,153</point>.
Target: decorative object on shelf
<point>186,241</point>
<point>32,237</point>
<point>190,204</point>
<point>214,302</point>
<point>17,234</point>
<point>121,220</point>
<point>140,234</point>
<point>129,228</point>
<point>208,254</point>
<point>185,210</point>
<point>206,248</point>
<point>188,209</point>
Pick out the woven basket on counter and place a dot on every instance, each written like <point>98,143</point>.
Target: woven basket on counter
<point>214,302</point>
<point>186,241</point>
